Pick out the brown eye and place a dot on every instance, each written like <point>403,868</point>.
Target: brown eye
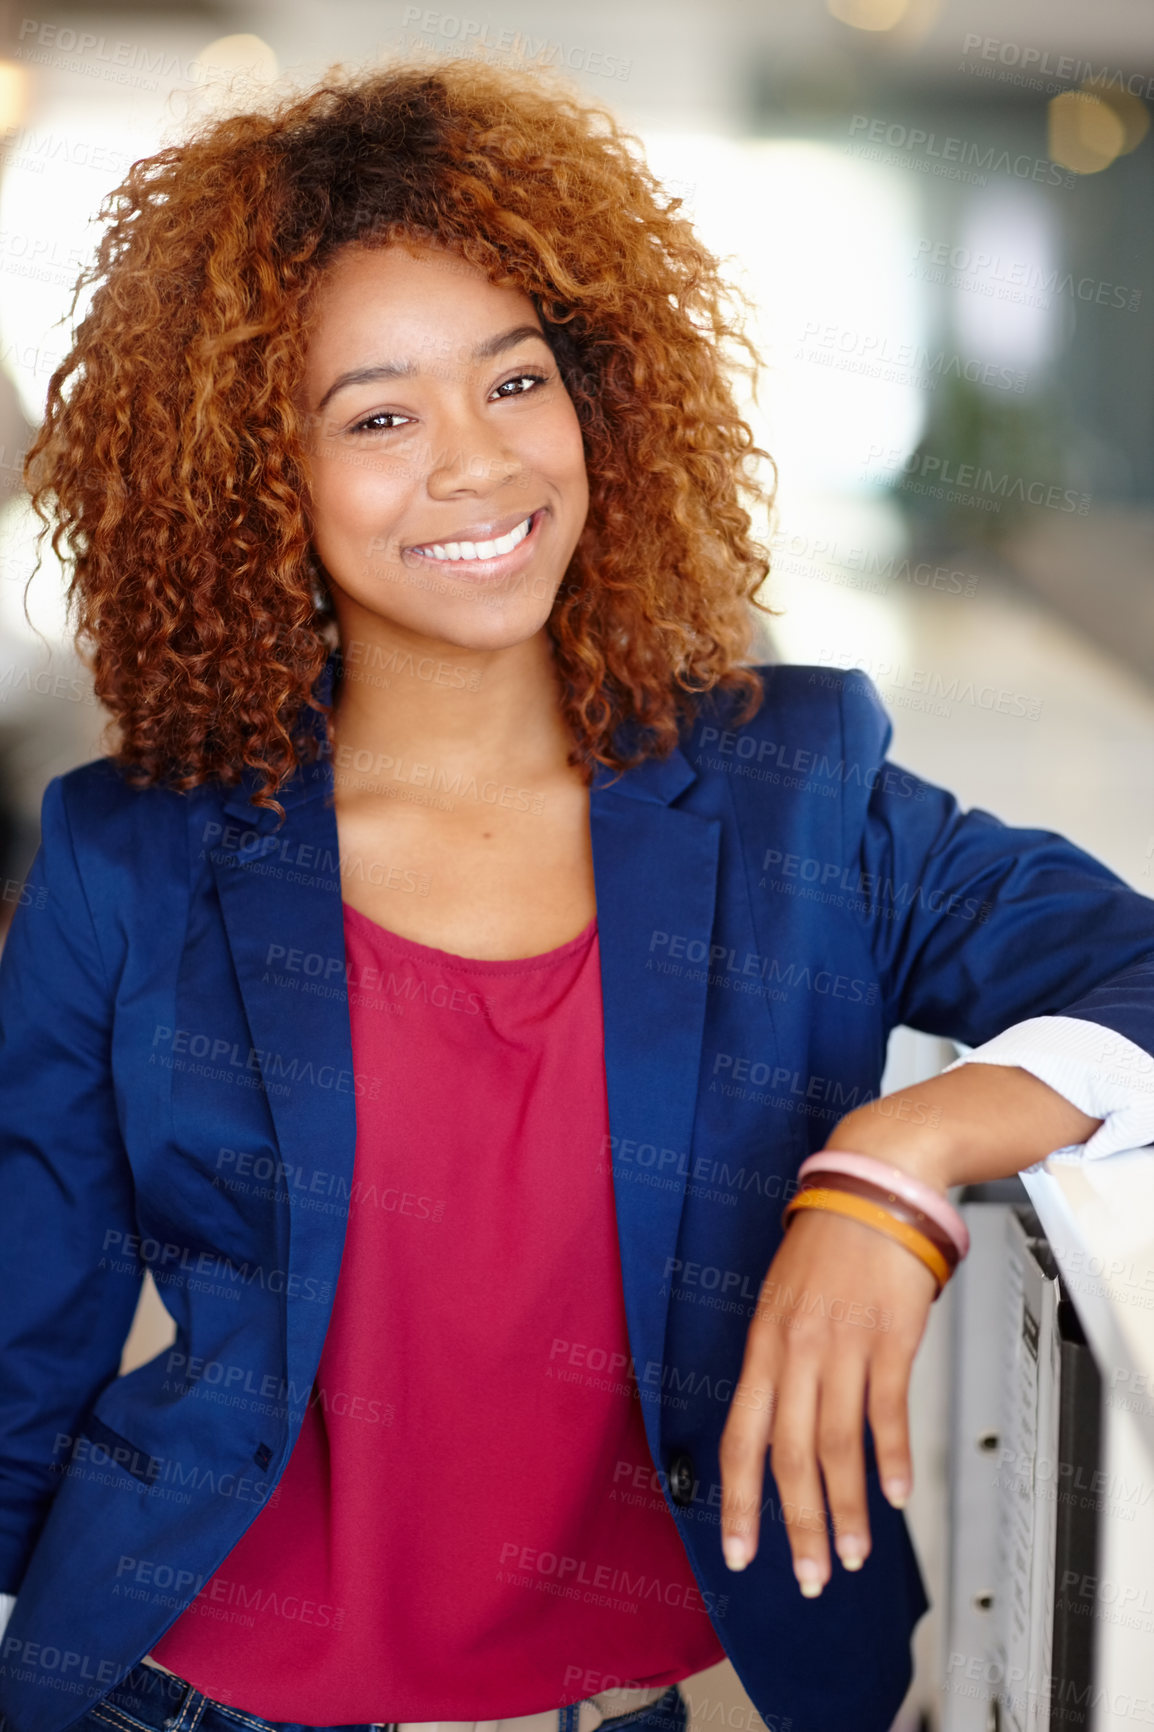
<point>520,378</point>
<point>381,415</point>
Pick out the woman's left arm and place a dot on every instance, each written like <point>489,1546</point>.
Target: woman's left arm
<point>1032,952</point>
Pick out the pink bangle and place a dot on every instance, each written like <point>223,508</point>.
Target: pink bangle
<point>904,1185</point>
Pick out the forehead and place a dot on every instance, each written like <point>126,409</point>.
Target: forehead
<point>407,295</point>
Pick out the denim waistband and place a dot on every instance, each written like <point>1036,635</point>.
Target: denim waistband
<point>148,1699</point>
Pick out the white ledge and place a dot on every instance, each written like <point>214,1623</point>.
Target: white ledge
<point>1099,1219</point>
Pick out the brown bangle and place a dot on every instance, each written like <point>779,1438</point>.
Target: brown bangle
<point>873,1215</point>
<point>890,1201</point>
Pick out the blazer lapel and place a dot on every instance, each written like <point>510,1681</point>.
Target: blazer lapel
<point>280,889</point>
<point>655,870</point>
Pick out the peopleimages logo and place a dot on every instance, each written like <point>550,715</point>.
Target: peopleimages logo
<point>473,36</point>
<point>952,158</point>
<point>931,685</point>
<point>822,558</point>
<point>44,42</point>
<point>809,763</point>
<point>867,890</point>
<point>1020,281</point>
<point>925,472</point>
<point>878,355</point>
<point>1064,68</point>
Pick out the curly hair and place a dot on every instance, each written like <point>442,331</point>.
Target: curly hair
<point>171,456</point>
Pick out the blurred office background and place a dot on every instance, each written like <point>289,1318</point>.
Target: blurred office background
<point>941,214</point>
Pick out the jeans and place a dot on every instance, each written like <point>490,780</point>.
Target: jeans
<point>146,1700</point>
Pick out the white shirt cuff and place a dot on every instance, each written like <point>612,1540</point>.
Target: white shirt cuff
<point>1100,1072</point>
<point>7,1606</point>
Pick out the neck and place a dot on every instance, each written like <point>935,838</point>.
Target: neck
<point>412,696</point>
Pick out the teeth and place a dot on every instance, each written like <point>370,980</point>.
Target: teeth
<point>477,549</point>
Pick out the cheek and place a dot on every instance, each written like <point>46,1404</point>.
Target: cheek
<point>560,451</point>
<point>349,488</point>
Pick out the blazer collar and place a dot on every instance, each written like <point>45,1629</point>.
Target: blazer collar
<point>659,780</point>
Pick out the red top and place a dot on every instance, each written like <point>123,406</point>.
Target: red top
<point>468,1526</point>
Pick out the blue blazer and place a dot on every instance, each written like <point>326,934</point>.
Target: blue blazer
<point>772,901</point>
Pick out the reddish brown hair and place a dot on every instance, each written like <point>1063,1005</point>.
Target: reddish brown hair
<point>170,461</point>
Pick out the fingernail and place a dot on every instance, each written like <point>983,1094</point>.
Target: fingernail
<point>809,1573</point>
<point>897,1491</point>
<point>852,1553</point>
<point>736,1550</point>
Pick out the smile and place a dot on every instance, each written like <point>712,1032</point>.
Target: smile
<point>477,552</point>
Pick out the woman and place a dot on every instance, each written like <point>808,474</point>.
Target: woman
<point>407,496</point>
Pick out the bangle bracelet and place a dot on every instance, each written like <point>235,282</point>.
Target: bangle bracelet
<point>902,1184</point>
<point>873,1215</point>
<point>893,1205</point>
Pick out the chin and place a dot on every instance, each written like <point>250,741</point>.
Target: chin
<point>472,623</point>
<point>495,633</point>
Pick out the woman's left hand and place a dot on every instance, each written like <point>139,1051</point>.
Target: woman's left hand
<point>838,1321</point>
<point>843,1308</point>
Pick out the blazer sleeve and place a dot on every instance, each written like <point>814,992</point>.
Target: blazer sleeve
<point>66,1192</point>
<point>974,925</point>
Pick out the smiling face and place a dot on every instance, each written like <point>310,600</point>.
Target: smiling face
<point>444,457</point>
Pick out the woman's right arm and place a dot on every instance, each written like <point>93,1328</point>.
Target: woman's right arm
<point>66,1193</point>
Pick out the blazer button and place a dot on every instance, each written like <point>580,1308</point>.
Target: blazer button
<point>682,1482</point>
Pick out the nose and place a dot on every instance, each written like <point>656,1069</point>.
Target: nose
<point>470,456</point>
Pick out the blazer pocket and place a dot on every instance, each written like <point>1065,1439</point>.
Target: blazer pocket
<point>135,1461</point>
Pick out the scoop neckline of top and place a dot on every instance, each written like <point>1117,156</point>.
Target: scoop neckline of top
<point>494,964</point>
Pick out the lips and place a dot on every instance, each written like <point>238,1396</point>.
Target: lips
<point>495,557</point>
<point>475,532</point>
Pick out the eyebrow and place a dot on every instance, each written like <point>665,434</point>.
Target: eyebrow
<point>486,351</point>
